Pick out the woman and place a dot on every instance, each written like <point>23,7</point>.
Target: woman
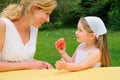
<point>19,25</point>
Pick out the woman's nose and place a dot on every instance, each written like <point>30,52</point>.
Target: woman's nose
<point>48,19</point>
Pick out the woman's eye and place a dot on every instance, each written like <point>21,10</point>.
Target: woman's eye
<point>79,29</point>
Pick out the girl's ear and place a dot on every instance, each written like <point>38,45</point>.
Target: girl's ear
<point>92,36</point>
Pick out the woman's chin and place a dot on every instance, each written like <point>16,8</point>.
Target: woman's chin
<point>37,26</point>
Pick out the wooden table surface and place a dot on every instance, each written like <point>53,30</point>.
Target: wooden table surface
<point>108,73</point>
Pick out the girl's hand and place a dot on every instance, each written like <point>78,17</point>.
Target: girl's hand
<point>61,64</point>
<point>60,45</point>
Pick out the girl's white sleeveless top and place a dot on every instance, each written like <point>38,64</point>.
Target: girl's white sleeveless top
<point>13,48</point>
<point>81,55</point>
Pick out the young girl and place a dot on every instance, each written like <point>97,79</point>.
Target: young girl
<point>92,51</point>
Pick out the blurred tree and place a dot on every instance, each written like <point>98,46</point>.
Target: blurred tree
<point>4,3</point>
<point>68,12</point>
<point>114,15</point>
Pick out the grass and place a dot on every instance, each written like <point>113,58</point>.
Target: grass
<point>46,50</point>
<point>114,47</point>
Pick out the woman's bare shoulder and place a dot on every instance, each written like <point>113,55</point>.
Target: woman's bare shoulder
<point>2,25</point>
<point>2,33</point>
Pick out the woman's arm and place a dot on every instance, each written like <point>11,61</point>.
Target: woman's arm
<point>7,66</point>
<point>35,64</point>
<point>2,34</point>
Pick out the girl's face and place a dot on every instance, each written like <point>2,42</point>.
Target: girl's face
<point>39,17</point>
<point>81,34</point>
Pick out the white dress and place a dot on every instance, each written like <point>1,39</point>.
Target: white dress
<point>81,55</point>
<point>13,48</point>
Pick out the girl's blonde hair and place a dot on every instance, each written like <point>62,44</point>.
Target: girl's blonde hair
<point>15,11</point>
<point>101,44</point>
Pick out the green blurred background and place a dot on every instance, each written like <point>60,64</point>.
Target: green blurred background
<point>63,23</point>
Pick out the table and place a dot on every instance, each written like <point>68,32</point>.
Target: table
<point>106,73</point>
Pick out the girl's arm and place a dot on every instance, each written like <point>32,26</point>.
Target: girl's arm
<point>60,45</point>
<point>67,58</point>
<point>63,53</point>
<point>90,61</point>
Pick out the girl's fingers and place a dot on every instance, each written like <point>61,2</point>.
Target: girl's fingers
<point>60,43</point>
<point>58,66</point>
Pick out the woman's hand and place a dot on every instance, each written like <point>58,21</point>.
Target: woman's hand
<point>36,64</point>
<point>49,66</point>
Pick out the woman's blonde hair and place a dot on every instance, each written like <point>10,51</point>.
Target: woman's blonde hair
<point>101,43</point>
<point>15,11</point>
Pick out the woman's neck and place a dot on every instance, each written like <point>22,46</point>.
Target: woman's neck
<point>22,24</point>
<point>23,28</point>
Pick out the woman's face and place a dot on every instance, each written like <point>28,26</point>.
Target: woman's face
<point>39,17</point>
<point>81,34</point>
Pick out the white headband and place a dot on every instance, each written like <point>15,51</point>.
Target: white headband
<point>97,25</point>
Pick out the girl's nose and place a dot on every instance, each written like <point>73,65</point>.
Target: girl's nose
<point>76,32</point>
